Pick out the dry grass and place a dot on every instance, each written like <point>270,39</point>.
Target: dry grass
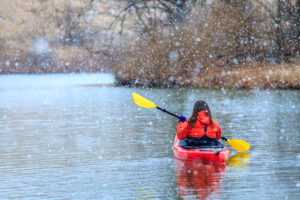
<point>217,47</point>
<point>285,76</point>
<point>256,75</point>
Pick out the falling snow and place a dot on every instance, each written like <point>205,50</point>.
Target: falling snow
<point>68,128</point>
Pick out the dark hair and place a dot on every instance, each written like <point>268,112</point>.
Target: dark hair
<point>199,106</point>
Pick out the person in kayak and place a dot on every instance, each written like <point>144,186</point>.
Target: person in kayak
<point>200,130</point>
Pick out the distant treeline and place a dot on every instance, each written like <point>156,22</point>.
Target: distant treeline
<point>45,36</point>
<point>209,36</point>
<point>149,42</point>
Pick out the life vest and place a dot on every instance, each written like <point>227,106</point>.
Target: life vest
<point>202,121</point>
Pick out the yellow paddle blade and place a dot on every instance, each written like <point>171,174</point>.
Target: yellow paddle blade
<point>238,145</point>
<point>142,101</point>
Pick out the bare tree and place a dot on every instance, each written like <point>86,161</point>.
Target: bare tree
<point>72,22</point>
<point>151,13</point>
<point>285,17</point>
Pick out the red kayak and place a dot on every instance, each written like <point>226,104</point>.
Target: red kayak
<point>218,155</point>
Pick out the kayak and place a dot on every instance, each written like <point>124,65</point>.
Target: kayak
<point>217,155</point>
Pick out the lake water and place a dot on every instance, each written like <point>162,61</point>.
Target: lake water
<point>77,137</point>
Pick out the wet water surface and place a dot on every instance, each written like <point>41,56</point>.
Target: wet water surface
<point>77,137</point>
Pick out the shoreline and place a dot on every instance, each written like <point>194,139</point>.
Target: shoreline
<point>284,76</point>
<point>261,76</point>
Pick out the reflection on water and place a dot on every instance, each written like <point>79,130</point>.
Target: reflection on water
<point>62,140</point>
<point>239,160</point>
<point>202,180</point>
<point>198,180</point>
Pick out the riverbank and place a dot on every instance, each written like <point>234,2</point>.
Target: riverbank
<point>285,76</point>
<point>263,75</point>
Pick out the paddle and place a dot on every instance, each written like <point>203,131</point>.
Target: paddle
<point>237,144</point>
<point>141,101</point>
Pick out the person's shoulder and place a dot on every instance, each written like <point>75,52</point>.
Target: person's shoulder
<point>215,121</point>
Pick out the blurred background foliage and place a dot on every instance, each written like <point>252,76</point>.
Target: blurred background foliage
<point>147,41</point>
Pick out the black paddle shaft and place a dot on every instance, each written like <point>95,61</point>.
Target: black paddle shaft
<point>224,138</point>
<point>164,110</point>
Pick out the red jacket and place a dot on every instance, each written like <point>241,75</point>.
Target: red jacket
<point>184,130</point>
